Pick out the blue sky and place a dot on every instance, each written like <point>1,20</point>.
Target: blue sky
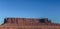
<point>30,9</point>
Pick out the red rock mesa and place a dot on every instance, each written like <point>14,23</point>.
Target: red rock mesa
<point>28,23</point>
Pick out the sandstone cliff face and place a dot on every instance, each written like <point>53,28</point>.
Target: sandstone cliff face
<point>28,23</point>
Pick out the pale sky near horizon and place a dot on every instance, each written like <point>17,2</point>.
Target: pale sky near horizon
<point>30,9</point>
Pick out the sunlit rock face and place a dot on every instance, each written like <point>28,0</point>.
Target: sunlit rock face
<point>28,23</point>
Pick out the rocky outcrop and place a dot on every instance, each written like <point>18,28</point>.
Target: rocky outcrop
<point>28,23</point>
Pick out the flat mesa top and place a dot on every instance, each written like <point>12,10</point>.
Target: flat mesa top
<point>28,21</point>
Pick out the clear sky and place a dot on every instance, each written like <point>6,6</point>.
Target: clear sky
<point>30,9</point>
